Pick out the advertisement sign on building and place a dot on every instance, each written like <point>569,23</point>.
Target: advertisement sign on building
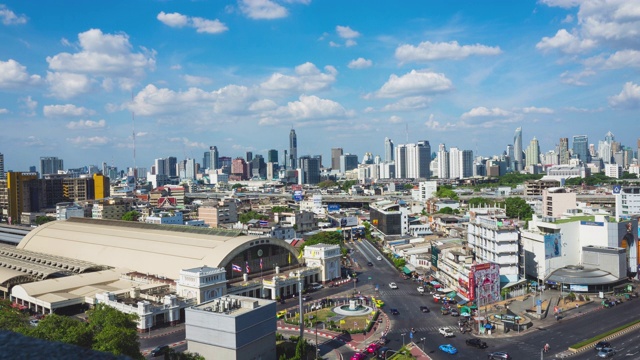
<point>333,207</point>
<point>628,240</point>
<point>348,221</point>
<point>552,246</point>
<point>297,195</point>
<point>484,283</point>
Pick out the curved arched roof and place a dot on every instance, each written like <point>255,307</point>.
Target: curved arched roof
<point>155,249</point>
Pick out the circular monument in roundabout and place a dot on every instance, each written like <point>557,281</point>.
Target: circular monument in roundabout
<point>354,308</point>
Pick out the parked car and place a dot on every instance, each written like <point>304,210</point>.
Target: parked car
<point>606,352</point>
<point>382,353</point>
<point>424,309</point>
<point>369,263</point>
<point>306,297</point>
<point>159,351</point>
<point>379,258</point>
<point>445,310</point>
<point>281,314</point>
<point>445,331</point>
<point>454,312</point>
<point>499,355</point>
<point>476,343</point>
<point>448,348</point>
<point>421,289</point>
<point>601,345</point>
<point>316,286</point>
<point>393,285</point>
<point>394,311</point>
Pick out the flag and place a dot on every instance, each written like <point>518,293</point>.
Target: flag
<point>260,263</point>
<point>247,266</point>
<point>235,267</point>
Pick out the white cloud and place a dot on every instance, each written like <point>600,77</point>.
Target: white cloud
<point>623,59</point>
<point>196,80</point>
<point>360,63</point>
<point>88,141</point>
<point>394,119</point>
<point>306,108</point>
<point>86,124</point>
<point>415,83</point>
<point>350,43</point>
<point>426,51</point>
<point>10,18</point>
<point>176,67</point>
<point>576,78</point>
<point>568,19</point>
<point>334,44</point>
<point>346,32</point>
<point>14,75</point>
<point>173,19</point>
<point>433,124</point>
<point>561,3</point>
<point>263,105</point>
<point>628,98</point>
<point>30,105</point>
<point>307,78</point>
<point>537,110</point>
<point>3,111</point>
<point>565,42</point>
<point>66,110</point>
<point>408,104</point>
<point>33,141</point>
<point>262,9</point>
<point>67,85</point>
<point>482,111</point>
<point>189,143</point>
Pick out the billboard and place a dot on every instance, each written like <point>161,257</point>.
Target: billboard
<point>484,283</point>
<point>348,221</point>
<point>333,207</point>
<point>628,235</point>
<point>552,246</point>
<point>297,195</point>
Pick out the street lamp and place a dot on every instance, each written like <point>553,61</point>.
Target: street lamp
<point>317,346</point>
<point>403,334</point>
<point>300,305</point>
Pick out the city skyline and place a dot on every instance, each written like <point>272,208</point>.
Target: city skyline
<point>240,75</point>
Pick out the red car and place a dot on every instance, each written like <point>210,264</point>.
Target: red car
<point>373,348</point>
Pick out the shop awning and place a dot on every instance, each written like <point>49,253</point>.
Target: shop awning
<point>446,290</point>
<point>452,294</point>
<point>406,270</point>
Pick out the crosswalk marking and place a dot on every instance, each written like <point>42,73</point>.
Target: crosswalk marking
<point>428,329</point>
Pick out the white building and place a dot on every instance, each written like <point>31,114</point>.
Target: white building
<point>426,190</point>
<point>324,256</point>
<point>613,170</point>
<point>495,239</point>
<point>166,218</point>
<point>556,201</point>
<point>627,201</point>
<point>65,211</point>
<point>202,284</point>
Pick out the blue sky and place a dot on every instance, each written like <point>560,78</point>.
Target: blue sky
<point>240,74</point>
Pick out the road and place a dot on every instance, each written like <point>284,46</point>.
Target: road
<point>627,346</point>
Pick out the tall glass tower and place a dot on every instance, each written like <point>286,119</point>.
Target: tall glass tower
<point>293,149</point>
<point>581,148</point>
<point>517,149</point>
<point>388,150</point>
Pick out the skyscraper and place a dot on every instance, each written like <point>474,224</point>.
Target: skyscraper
<point>50,165</point>
<point>1,166</point>
<point>533,152</point>
<point>388,150</point>
<point>160,166</point>
<point>293,149</point>
<point>563,151</point>
<point>517,149</point>
<point>335,158</point>
<point>581,148</point>
<point>455,165</point>
<point>400,159</point>
<point>170,165</point>
<point>443,162</point>
<point>272,156</point>
<point>213,158</point>
<point>249,156</point>
<point>348,162</point>
<point>206,160</point>
<point>418,160</point>
<point>309,170</point>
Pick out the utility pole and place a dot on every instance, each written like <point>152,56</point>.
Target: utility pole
<point>300,305</point>
<point>403,334</point>
<point>422,340</point>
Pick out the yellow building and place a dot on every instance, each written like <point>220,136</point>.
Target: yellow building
<point>101,186</point>
<point>19,194</point>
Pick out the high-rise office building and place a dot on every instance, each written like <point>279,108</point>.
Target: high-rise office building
<point>258,167</point>
<point>335,158</point>
<point>213,158</point>
<point>388,150</point>
<point>348,162</point>
<point>239,169</point>
<point>418,160</point>
<point>517,149</point>
<point>272,156</point>
<point>443,162</point>
<point>293,149</point>
<point>50,165</point>
<point>170,165</point>
<point>466,163</point>
<point>581,148</point>
<point>563,151</point>
<point>248,156</point>
<point>533,152</point>
<point>460,163</point>
<point>1,166</point>
<point>21,194</point>
<point>509,153</point>
<point>400,159</point>
<point>309,170</point>
<point>160,167</point>
<point>206,160</point>
<point>609,137</point>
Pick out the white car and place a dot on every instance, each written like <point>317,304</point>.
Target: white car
<point>446,332</point>
<point>379,258</point>
<point>393,285</point>
<point>421,289</point>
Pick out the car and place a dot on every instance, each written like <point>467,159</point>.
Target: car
<point>424,309</point>
<point>393,285</point>
<point>369,263</point>
<point>445,310</point>
<point>34,322</point>
<point>379,258</point>
<point>448,348</point>
<point>445,331</point>
<point>421,289</point>
<point>476,343</point>
<point>281,314</point>
<point>159,351</point>
<point>606,352</point>
<point>394,311</point>
<point>382,353</point>
<point>358,356</point>
<point>601,345</point>
<point>499,355</point>
<point>306,297</point>
<point>373,348</point>
<point>316,286</point>
<point>454,312</point>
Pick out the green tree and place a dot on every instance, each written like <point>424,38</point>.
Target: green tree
<point>238,186</point>
<point>446,210</point>
<point>44,219</point>
<point>63,329</point>
<point>446,191</point>
<point>517,207</point>
<point>408,186</point>
<point>346,185</point>
<point>280,209</point>
<point>250,215</point>
<point>478,202</point>
<point>301,349</point>
<point>114,331</point>
<point>10,318</point>
<point>327,184</point>
<point>131,216</point>
<point>174,355</point>
<point>399,263</point>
